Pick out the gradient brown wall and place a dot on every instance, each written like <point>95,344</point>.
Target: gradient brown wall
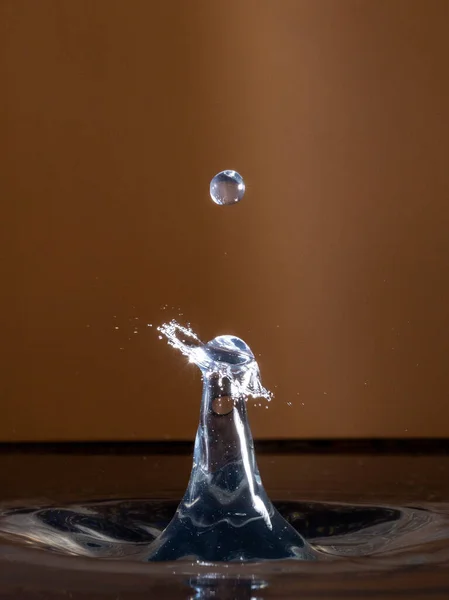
<point>334,268</point>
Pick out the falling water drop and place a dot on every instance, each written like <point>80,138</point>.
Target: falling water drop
<point>227,187</point>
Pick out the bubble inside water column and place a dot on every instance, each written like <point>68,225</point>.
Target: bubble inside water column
<point>227,187</point>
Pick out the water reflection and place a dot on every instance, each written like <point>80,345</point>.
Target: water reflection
<point>226,588</point>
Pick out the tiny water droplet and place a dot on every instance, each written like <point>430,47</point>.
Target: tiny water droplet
<point>227,187</point>
<point>116,327</point>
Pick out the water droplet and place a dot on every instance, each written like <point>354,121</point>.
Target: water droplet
<point>227,187</point>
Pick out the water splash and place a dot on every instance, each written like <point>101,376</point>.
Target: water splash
<point>225,514</point>
<point>226,356</point>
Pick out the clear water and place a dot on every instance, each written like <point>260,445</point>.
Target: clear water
<point>340,535</point>
<point>225,514</point>
<point>225,538</point>
<point>227,187</point>
<point>225,517</point>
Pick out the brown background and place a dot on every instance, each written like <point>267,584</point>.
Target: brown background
<point>334,268</point>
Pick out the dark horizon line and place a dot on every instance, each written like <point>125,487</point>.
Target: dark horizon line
<point>419,445</point>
